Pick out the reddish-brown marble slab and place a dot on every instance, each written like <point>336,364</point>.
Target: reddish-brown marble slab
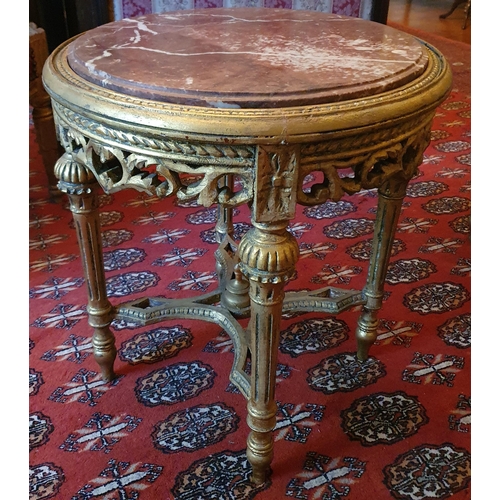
<point>247,57</point>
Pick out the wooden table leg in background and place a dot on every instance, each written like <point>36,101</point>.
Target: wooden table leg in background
<point>43,119</point>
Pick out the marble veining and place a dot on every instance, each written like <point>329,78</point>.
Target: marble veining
<point>247,57</point>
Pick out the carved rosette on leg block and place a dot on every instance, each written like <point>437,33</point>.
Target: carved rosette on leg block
<point>81,187</point>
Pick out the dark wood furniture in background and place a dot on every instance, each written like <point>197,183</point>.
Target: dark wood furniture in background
<point>374,10</point>
<point>63,19</point>
<point>51,23</point>
<point>43,120</point>
<point>455,5</point>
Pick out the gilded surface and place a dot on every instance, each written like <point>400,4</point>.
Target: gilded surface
<point>276,183</point>
<point>119,141</point>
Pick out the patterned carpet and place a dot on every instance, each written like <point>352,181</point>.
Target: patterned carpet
<point>171,426</point>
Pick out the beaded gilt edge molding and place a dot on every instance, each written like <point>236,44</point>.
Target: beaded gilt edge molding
<point>216,125</point>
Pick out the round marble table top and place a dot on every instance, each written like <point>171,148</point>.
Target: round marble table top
<point>247,57</point>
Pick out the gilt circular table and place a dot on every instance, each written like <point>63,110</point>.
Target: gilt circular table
<point>241,106</point>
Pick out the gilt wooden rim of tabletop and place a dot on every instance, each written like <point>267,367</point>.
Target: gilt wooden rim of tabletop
<point>289,124</point>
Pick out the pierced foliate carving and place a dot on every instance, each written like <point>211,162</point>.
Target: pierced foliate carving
<point>366,170</point>
<point>208,189</point>
<point>115,168</point>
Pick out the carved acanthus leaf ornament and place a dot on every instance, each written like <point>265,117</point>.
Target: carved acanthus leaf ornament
<point>347,169</point>
<point>160,168</point>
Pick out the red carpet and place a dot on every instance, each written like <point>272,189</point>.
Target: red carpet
<point>171,426</point>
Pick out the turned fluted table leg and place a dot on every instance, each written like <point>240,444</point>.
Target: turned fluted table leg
<point>390,200</point>
<point>81,187</point>
<point>268,255</point>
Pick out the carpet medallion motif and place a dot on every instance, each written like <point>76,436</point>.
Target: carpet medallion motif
<point>343,373</point>
<point>155,345</point>
<point>349,228</point>
<point>460,417</point>
<point>115,237</point>
<point>457,331</point>
<point>362,250</point>
<point>429,471</point>
<point>40,428</point>
<point>436,298</point>
<point>330,209</point>
<point>209,236</point>
<point>35,381</point>
<point>224,475</point>
<point>461,224</point>
<point>426,188</point>
<point>122,258</point>
<point>383,418</point>
<point>194,428</point>
<point>122,285</point>
<point>174,383</point>
<point>409,271</point>
<point>313,335</point>
<point>45,481</point>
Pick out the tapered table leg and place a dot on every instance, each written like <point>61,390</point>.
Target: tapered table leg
<point>81,187</point>
<point>390,200</point>
<point>268,255</point>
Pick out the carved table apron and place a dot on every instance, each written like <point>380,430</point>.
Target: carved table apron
<point>250,101</point>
